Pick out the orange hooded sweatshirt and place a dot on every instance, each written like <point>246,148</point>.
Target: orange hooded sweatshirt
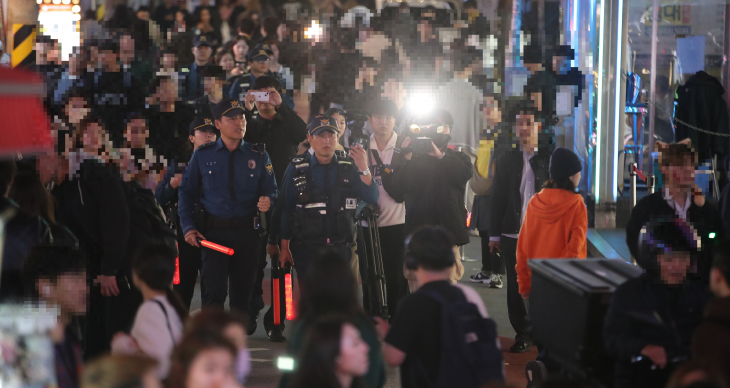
<point>555,227</point>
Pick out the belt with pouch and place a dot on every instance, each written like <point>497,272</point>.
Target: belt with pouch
<point>215,222</point>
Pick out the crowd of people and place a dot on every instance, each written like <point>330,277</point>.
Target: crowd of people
<point>113,225</point>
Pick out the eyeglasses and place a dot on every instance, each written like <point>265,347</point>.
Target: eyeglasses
<point>383,118</point>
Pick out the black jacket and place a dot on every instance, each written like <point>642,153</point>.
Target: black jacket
<point>93,205</point>
<point>506,200</point>
<point>705,220</point>
<point>434,192</point>
<point>282,136</point>
<point>645,311</point>
<point>700,103</point>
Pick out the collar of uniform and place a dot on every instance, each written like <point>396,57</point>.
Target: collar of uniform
<point>389,146</point>
<point>313,161</point>
<point>219,145</point>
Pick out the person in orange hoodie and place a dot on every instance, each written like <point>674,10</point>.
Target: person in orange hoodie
<point>556,220</point>
<point>555,226</point>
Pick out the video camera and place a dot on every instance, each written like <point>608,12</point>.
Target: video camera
<point>422,137</point>
<point>355,122</point>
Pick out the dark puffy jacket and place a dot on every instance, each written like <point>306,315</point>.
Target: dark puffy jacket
<point>434,192</point>
<point>506,200</point>
<point>700,103</point>
<point>645,311</point>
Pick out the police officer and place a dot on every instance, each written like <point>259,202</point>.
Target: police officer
<point>258,61</point>
<point>233,180</point>
<point>320,196</point>
<point>214,87</point>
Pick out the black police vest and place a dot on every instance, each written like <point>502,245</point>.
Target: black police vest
<point>324,217</point>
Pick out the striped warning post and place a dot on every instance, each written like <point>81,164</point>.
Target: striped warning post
<point>23,45</point>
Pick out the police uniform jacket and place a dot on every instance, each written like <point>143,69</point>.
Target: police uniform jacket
<point>228,184</point>
<point>321,178</point>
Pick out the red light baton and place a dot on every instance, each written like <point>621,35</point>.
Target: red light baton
<point>215,247</point>
<point>176,278</point>
<point>290,315</point>
<point>276,296</point>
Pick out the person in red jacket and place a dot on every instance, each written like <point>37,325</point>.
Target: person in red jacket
<point>556,220</point>
<point>555,227</point>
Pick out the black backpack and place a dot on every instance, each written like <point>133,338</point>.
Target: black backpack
<point>470,351</point>
<point>147,217</point>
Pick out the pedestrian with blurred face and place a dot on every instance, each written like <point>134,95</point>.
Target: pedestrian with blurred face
<point>121,371</point>
<point>202,50</point>
<point>204,360</point>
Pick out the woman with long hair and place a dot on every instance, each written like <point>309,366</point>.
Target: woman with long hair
<point>204,25</point>
<point>331,290</point>
<point>203,360</point>
<point>240,47</point>
<point>158,325</point>
<point>334,356</point>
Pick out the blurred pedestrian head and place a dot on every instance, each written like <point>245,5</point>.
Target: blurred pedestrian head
<point>527,125</point>
<point>137,130</point>
<point>203,360</point>
<point>330,289</point>
<point>697,374</point>
<point>333,355</point>
<point>165,88</point>
<point>565,168</point>
<point>266,83</point>
<point>121,371</point>
<point>270,26</point>
<point>32,197</point>
<point>430,249</point>
<point>153,268</point>
<point>91,137</point>
<point>246,26</point>
<point>77,106</point>
<point>56,274</point>
<point>241,46</point>
<point>232,325</point>
<point>143,13</point>
<point>677,162</point>
<point>668,250</point>
<point>720,273</point>
<point>339,116</point>
<point>168,60</point>
<point>224,59</point>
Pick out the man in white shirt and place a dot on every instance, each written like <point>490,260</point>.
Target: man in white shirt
<point>391,222</point>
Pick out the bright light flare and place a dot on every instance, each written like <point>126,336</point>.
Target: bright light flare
<point>421,103</point>
<point>314,31</point>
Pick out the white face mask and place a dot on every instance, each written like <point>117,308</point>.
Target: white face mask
<point>243,365</point>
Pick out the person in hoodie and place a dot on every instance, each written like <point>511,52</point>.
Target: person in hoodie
<point>711,340</point>
<point>555,226</point>
<point>650,319</point>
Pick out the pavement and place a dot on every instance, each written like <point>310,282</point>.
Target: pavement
<point>264,353</point>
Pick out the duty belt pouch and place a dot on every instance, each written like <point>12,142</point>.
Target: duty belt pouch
<point>311,221</point>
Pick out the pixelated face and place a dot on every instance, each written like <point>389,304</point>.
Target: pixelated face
<point>93,138</point>
<point>211,85</point>
<point>227,62</point>
<point>143,15</point>
<point>137,133</point>
<point>240,49</point>
<point>232,127</point>
<point>76,109</point>
<point>324,143</point>
<point>393,90</point>
<point>341,123</point>
<point>205,15</point>
<point>353,359</point>
<point>167,92</point>
<point>108,58</point>
<point>673,267</point>
<point>202,137</point>
<point>382,124</point>
<point>679,175</point>
<point>180,17</point>
<point>527,130</point>
<point>202,53</point>
<point>69,292</point>
<point>169,61</point>
<point>126,44</point>
<point>490,111</point>
<point>212,368</point>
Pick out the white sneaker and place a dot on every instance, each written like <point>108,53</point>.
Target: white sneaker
<point>480,277</point>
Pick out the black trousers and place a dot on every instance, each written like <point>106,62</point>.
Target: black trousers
<point>491,263</point>
<point>304,254</point>
<point>392,247</point>
<point>516,308</point>
<point>221,273</point>
<point>190,265</point>
<point>108,315</point>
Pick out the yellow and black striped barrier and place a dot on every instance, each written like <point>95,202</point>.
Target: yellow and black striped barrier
<point>23,53</point>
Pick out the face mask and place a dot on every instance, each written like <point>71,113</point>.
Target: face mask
<point>243,365</point>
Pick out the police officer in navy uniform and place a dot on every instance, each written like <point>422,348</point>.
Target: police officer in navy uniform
<point>233,181</point>
<point>319,198</point>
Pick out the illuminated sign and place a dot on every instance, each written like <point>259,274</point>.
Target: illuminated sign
<point>61,22</point>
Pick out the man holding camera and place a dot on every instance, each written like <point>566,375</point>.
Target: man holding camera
<point>319,198</point>
<point>281,130</point>
<point>258,63</point>
<point>433,178</point>
<point>231,180</point>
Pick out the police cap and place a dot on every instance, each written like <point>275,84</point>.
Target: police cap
<point>201,124</point>
<point>261,51</point>
<point>321,123</point>
<point>228,107</point>
<point>202,40</point>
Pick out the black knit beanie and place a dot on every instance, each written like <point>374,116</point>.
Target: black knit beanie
<point>564,164</point>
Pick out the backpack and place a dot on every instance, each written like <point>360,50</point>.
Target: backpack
<point>146,216</point>
<point>470,351</point>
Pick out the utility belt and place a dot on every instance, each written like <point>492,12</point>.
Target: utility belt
<point>206,221</point>
<point>312,224</point>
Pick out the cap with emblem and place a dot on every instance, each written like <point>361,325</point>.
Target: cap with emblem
<point>228,107</point>
<point>202,40</point>
<point>201,124</point>
<point>260,52</point>
<point>322,123</point>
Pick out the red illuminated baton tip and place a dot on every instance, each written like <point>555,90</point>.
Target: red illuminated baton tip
<point>215,247</point>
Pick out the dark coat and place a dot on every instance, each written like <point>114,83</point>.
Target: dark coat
<point>645,311</point>
<point>700,103</point>
<point>506,200</point>
<point>704,219</point>
<point>711,340</point>
<point>434,192</point>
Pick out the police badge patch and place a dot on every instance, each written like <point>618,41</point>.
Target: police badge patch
<point>251,164</point>
<point>269,168</point>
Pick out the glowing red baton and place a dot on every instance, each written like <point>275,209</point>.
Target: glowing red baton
<point>289,297</point>
<point>215,247</point>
